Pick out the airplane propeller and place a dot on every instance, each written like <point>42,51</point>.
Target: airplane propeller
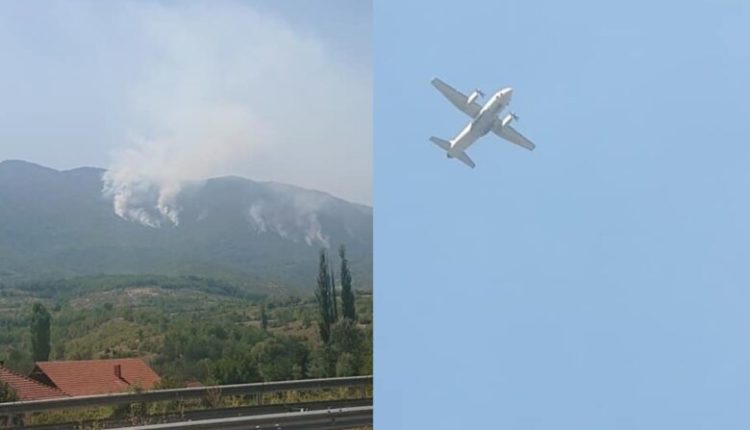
<point>475,95</point>
<point>515,117</point>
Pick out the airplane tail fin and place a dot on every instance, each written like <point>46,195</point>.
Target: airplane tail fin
<point>446,146</point>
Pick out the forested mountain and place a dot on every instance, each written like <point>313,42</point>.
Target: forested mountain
<point>56,224</point>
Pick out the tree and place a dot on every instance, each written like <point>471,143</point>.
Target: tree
<point>235,369</point>
<point>347,295</point>
<point>346,337</point>
<point>325,300</point>
<point>346,365</point>
<point>334,304</point>
<point>347,348</point>
<point>366,352</point>
<point>40,327</point>
<point>280,358</point>
<point>7,393</point>
<point>263,317</point>
<point>319,365</point>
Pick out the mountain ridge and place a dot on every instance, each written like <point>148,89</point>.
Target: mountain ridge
<point>59,223</point>
<point>29,164</point>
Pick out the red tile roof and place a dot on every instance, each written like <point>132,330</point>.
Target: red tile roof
<point>87,377</point>
<point>26,388</point>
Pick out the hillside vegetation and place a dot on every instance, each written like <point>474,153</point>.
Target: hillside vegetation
<point>189,328</point>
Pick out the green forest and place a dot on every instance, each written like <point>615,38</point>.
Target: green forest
<point>192,328</point>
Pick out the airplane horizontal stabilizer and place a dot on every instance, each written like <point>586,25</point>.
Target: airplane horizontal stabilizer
<point>444,144</point>
<point>464,159</point>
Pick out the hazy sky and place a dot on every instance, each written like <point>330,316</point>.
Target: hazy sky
<point>598,282</point>
<point>163,92</point>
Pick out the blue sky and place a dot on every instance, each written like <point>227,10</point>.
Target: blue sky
<point>84,81</point>
<point>598,282</point>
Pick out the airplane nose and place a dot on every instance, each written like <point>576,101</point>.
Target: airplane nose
<point>507,94</point>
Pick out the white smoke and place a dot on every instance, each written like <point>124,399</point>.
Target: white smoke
<point>228,90</point>
<point>257,218</point>
<point>301,213</point>
<point>309,205</point>
<point>314,232</point>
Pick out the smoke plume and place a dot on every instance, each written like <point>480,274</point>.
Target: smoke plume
<point>231,90</point>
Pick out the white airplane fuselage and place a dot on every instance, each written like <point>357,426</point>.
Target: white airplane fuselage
<point>482,124</point>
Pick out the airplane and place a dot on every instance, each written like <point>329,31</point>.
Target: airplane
<point>483,120</point>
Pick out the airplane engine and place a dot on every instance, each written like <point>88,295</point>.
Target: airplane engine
<point>508,119</point>
<point>475,95</point>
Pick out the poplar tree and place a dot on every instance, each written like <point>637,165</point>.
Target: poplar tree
<point>323,296</point>
<point>348,309</point>
<point>334,303</point>
<point>40,328</point>
<point>263,317</point>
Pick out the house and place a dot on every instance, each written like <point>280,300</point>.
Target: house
<point>27,388</point>
<point>89,377</point>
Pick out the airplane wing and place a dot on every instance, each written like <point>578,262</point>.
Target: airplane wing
<point>510,134</point>
<point>458,99</point>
